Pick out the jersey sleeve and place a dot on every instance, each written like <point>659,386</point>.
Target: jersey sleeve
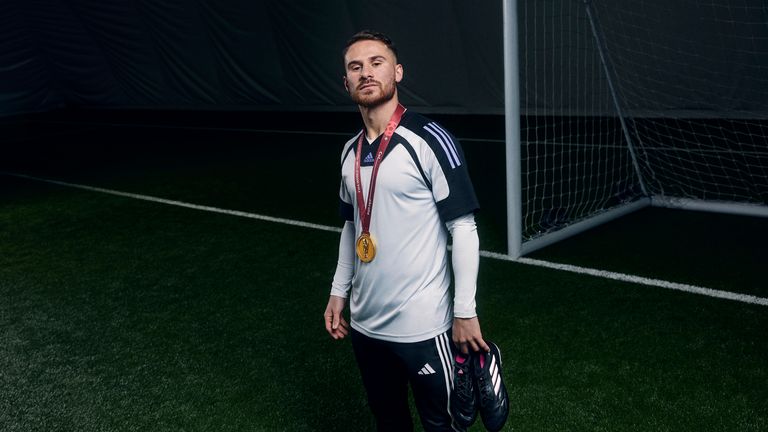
<point>346,208</point>
<point>465,260</point>
<point>346,205</point>
<point>346,211</point>
<point>447,170</point>
<point>345,267</point>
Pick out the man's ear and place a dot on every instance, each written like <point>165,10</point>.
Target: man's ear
<point>398,73</point>
<point>346,85</point>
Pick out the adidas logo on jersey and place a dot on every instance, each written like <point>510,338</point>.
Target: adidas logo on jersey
<point>426,370</point>
<point>369,158</point>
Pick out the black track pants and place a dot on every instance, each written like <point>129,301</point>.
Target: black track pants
<point>388,367</point>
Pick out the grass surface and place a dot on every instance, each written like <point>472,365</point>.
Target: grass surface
<point>122,315</point>
<point>717,251</point>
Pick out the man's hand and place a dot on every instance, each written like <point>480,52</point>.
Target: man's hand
<point>467,336</point>
<point>335,324</point>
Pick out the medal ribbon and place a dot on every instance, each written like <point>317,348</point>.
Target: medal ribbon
<point>366,209</point>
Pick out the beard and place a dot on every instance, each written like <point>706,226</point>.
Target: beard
<point>375,98</point>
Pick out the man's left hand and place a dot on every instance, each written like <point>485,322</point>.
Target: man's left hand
<point>467,335</point>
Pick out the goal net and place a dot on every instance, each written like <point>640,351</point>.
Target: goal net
<point>629,104</point>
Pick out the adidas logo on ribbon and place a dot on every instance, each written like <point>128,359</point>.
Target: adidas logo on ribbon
<point>369,158</point>
<point>426,370</point>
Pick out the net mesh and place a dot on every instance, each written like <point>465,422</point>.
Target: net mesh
<point>688,78</point>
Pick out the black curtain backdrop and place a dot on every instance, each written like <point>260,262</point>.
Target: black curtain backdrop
<point>232,54</point>
<point>286,55</point>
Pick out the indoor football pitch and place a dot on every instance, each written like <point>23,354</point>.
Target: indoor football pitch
<point>171,276</point>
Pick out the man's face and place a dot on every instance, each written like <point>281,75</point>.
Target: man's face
<point>371,73</point>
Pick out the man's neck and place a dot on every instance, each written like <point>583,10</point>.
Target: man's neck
<point>376,118</point>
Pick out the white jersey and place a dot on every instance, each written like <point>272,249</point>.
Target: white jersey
<point>403,295</point>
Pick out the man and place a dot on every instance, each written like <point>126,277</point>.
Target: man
<point>404,188</point>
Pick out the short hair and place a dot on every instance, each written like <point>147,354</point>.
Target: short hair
<point>370,35</point>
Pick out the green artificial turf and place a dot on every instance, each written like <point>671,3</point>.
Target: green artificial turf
<point>125,315</point>
<point>725,252</point>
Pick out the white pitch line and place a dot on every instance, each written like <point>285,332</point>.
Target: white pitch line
<point>623,277</point>
<point>181,204</point>
<point>693,289</point>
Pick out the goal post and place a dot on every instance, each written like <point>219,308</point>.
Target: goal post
<point>535,218</point>
<point>512,129</point>
<point>612,107</point>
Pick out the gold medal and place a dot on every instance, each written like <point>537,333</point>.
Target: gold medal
<point>366,248</point>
